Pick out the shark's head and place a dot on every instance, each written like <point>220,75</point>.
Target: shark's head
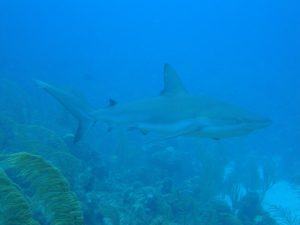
<point>237,126</point>
<point>258,123</point>
<point>250,124</point>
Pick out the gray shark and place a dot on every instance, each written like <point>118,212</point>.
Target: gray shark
<point>173,113</point>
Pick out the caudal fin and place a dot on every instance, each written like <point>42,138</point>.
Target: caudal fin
<point>78,108</point>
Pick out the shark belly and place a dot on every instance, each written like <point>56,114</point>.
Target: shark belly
<point>220,132</point>
<point>180,127</point>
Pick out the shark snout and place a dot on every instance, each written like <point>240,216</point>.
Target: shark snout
<point>261,123</point>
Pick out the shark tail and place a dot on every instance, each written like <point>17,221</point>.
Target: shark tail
<point>73,104</point>
<point>84,124</point>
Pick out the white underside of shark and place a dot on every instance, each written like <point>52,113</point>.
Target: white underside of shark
<point>173,113</point>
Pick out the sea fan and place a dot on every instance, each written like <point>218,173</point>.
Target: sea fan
<point>49,188</point>
<point>46,143</point>
<point>38,140</point>
<point>69,165</point>
<point>15,209</point>
<point>284,216</point>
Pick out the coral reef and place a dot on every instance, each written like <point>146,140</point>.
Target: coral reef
<point>47,179</point>
<point>48,188</point>
<point>15,208</point>
<point>284,216</point>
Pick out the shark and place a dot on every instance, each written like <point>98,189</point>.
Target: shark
<point>174,112</point>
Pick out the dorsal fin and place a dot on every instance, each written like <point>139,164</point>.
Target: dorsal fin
<point>112,102</point>
<point>172,82</point>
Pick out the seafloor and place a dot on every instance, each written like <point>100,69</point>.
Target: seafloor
<point>113,178</point>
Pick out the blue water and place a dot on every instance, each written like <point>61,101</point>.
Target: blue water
<point>243,52</point>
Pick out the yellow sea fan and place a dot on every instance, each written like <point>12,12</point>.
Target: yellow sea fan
<point>69,165</point>
<point>14,207</point>
<point>50,188</point>
<point>38,140</point>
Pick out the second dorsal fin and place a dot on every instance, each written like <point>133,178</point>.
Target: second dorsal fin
<point>172,82</point>
<point>112,102</point>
